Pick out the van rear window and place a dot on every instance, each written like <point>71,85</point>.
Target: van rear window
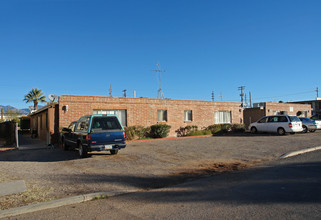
<point>105,123</point>
<point>294,119</point>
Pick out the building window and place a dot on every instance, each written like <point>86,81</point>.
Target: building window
<point>280,112</point>
<point>121,114</point>
<point>188,115</point>
<point>291,109</point>
<point>221,117</point>
<point>162,115</point>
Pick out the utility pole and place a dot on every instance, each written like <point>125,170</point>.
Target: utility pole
<point>212,96</point>
<point>160,94</point>
<point>124,91</point>
<point>250,97</point>
<point>245,102</point>
<point>241,88</point>
<point>1,114</point>
<point>110,91</point>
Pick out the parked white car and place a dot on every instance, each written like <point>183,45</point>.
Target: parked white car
<point>280,124</point>
<point>318,124</point>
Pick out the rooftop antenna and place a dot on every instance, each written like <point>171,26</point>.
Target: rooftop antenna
<point>317,90</point>
<point>110,91</point>
<point>160,94</point>
<point>221,96</point>
<point>241,88</point>
<point>124,91</point>
<point>212,96</point>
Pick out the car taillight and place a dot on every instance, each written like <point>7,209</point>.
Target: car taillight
<point>290,125</point>
<point>88,137</point>
<point>124,134</point>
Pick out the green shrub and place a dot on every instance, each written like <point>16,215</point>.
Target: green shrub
<point>225,128</point>
<point>186,131</point>
<point>159,130</point>
<point>136,132</point>
<point>201,132</point>
<point>215,129</point>
<point>238,128</point>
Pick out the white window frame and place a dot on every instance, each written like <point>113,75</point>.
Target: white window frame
<point>188,115</point>
<point>121,114</point>
<point>222,117</point>
<point>162,115</point>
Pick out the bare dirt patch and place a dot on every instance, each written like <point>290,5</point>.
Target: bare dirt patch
<point>53,173</point>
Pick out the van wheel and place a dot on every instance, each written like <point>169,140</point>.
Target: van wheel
<point>113,152</point>
<point>253,130</point>
<point>82,151</point>
<point>305,129</point>
<point>281,131</point>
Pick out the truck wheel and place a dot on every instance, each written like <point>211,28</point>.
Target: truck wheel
<point>64,145</point>
<point>112,152</point>
<point>82,151</point>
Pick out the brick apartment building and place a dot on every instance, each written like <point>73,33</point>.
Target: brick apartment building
<point>146,111</point>
<point>315,104</point>
<point>273,108</point>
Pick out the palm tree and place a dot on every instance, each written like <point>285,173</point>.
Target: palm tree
<point>35,96</point>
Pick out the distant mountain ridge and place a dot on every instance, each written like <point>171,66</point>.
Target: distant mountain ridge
<point>21,111</point>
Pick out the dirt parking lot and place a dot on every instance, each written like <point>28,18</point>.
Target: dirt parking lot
<point>52,173</point>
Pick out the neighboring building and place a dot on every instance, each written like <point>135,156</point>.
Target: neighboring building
<point>44,123</point>
<point>146,111</point>
<point>315,104</point>
<point>273,108</point>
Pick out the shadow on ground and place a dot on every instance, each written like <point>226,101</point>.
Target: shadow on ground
<point>296,183</point>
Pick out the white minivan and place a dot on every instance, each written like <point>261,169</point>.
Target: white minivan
<point>280,124</point>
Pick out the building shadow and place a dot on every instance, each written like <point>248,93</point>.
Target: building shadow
<point>295,183</point>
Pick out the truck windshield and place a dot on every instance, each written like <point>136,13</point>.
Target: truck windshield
<point>105,123</point>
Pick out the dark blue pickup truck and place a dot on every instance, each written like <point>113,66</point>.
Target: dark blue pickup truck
<point>94,133</point>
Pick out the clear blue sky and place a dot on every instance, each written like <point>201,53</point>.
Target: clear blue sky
<point>79,47</point>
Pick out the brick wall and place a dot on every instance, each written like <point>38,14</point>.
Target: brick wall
<point>252,115</point>
<point>143,111</point>
<point>290,108</point>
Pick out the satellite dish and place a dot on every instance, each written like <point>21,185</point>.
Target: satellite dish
<point>31,109</point>
<point>52,97</point>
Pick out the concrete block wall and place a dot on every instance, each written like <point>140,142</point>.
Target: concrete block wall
<point>143,111</point>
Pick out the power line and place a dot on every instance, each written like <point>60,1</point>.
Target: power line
<point>281,96</point>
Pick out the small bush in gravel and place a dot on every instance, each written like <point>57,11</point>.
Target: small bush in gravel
<point>159,130</point>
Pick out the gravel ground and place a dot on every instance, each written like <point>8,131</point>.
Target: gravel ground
<point>52,173</point>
